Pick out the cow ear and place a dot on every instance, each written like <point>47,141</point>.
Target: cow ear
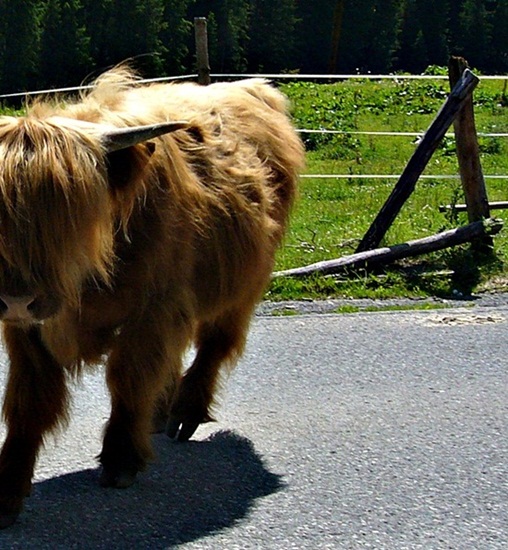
<point>126,167</point>
<point>127,171</point>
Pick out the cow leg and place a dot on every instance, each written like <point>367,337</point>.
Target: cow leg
<point>35,401</point>
<point>144,363</point>
<point>217,343</point>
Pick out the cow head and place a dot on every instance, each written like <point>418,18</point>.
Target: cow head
<point>61,188</point>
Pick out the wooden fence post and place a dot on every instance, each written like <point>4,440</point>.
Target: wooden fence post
<point>428,144</point>
<point>203,63</point>
<point>468,154</point>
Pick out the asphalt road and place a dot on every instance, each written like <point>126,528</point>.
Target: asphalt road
<point>370,430</point>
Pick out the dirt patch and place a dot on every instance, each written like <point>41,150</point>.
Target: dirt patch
<point>464,319</point>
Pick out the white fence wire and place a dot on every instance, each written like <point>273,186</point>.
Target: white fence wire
<point>288,76</point>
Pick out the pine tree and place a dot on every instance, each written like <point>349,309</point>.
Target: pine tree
<point>65,47</point>
<point>475,33</point>
<point>498,20</point>
<point>369,37</point>
<point>234,21</point>
<point>272,35</point>
<point>379,51</point>
<point>175,34</point>
<point>19,44</point>
<point>228,29</point>
<point>412,53</point>
<point>96,17</point>
<point>314,29</point>
<point>134,33</point>
<point>59,42</point>
<point>433,21</point>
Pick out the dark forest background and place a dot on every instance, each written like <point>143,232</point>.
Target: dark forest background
<point>48,43</point>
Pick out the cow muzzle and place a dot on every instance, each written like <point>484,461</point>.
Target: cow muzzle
<point>27,308</point>
<point>17,308</point>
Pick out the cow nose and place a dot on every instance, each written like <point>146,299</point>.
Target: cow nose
<point>16,308</point>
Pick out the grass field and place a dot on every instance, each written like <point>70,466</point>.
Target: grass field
<point>333,214</point>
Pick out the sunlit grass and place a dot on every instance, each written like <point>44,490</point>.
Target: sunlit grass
<point>334,214</point>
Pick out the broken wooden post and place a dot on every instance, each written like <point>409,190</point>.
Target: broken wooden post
<point>468,156</point>
<point>468,150</point>
<point>385,255</point>
<point>203,64</point>
<point>428,144</point>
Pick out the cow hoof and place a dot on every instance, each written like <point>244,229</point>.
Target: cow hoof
<point>117,480</point>
<point>6,520</point>
<point>181,431</point>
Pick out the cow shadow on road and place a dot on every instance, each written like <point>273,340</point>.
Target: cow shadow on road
<point>192,490</point>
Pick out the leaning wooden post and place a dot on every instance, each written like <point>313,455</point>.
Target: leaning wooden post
<point>203,64</point>
<point>428,144</point>
<point>468,154</point>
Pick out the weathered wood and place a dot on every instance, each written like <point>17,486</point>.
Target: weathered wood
<point>494,205</point>
<point>428,144</point>
<point>468,150</point>
<point>202,61</point>
<point>390,254</point>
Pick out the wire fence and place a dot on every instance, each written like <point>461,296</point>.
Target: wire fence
<point>235,76</point>
<point>392,176</point>
<point>307,77</point>
<point>374,133</point>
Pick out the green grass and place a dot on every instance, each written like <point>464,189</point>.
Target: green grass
<point>334,214</point>
<point>380,308</point>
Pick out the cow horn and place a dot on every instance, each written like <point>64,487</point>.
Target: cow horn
<point>121,138</point>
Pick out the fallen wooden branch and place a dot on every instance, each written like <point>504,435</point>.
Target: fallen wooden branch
<point>494,205</point>
<point>390,254</point>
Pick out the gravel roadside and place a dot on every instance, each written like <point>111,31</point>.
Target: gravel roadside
<point>490,300</point>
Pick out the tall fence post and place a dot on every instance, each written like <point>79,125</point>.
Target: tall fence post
<point>468,154</point>
<point>468,150</point>
<point>203,63</point>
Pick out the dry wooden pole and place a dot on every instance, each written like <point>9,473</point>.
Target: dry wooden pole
<point>389,254</point>
<point>407,181</point>
<point>468,151</point>
<point>203,64</point>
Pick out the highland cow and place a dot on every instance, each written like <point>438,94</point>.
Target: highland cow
<point>135,222</point>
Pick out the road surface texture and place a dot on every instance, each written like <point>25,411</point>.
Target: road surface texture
<point>384,430</point>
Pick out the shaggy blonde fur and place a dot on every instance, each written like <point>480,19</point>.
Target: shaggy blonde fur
<point>140,253</point>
